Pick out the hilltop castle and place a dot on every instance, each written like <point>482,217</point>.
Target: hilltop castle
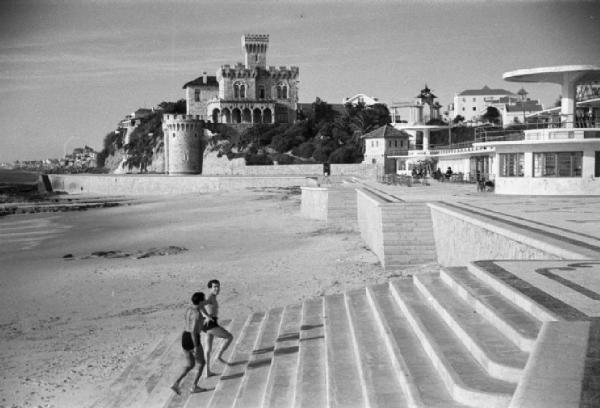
<point>238,97</point>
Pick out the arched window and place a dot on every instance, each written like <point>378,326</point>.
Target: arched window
<point>239,90</point>
<point>282,91</point>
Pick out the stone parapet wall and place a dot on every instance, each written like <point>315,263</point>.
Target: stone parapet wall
<point>461,239</point>
<point>237,167</point>
<point>369,213</point>
<point>314,203</point>
<point>133,185</point>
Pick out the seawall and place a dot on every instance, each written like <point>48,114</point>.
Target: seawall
<point>109,184</point>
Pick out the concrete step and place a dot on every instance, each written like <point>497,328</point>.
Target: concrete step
<point>501,286</point>
<point>252,391</point>
<point>518,325</point>
<point>500,357</point>
<point>231,378</point>
<point>282,377</point>
<point>465,379</point>
<point>202,399</point>
<point>344,387</point>
<point>130,386</point>
<point>419,379</point>
<point>397,259</point>
<point>311,383</point>
<point>377,373</point>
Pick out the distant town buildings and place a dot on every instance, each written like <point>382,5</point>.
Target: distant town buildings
<point>80,159</point>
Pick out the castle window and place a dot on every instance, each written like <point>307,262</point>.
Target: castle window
<point>197,95</point>
<point>261,92</point>
<point>282,91</point>
<point>239,90</point>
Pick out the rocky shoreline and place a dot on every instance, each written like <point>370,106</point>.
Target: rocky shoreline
<point>11,204</point>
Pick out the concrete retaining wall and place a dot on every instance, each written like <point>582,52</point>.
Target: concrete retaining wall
<point>315,202</point>
<point>214,166</point>
<point>369,212</point>
<point>461,239</point>
<point>159,184</point>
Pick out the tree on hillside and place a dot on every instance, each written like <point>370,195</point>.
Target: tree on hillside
<point>492,115</point>
<point>458,119</point>
<point>143,141</point>
<point>178,107</point>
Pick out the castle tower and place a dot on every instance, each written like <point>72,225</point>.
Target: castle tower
<point>184,143</point>
<point>255,50</point>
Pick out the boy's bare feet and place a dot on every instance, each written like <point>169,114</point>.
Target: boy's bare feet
<point>195,389</point>
<point>176,389</point>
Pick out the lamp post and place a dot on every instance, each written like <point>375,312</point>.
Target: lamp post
<point>523,94</point>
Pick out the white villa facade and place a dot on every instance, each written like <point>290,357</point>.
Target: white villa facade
<point>471,103</point>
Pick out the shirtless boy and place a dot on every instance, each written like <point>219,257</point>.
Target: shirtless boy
<point>211,327</point>
<point>190,342</point>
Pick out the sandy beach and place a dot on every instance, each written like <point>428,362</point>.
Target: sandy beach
<point>82,293</point>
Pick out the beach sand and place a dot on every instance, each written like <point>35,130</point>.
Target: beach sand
<point>71,321</point>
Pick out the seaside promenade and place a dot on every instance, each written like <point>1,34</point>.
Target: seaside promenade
<point>515,330</point>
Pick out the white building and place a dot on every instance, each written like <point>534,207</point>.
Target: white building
<point>470,103</point>
<point>383,142</point>
<point>361,98</point>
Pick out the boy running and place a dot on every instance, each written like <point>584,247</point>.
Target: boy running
<point>211,325</point>
<point>190,342</point>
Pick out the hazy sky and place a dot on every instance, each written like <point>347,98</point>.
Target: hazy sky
<point>70,70</point>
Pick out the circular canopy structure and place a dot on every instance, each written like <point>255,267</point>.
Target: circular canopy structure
<point>568,76</point>
<point>556,75</point>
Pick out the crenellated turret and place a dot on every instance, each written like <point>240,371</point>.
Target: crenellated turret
<point>255,50</point>
<point>184,143</point>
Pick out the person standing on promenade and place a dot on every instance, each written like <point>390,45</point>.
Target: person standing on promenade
<point>212,328</point>
<point>190,342</point>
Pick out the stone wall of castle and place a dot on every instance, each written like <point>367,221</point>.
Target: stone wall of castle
<point>184,143</point>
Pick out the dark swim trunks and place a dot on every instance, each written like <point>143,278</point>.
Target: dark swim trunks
<point>210,325</point>
<point>186,341</point>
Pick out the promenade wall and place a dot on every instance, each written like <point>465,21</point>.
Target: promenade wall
<point>370,222</point>
<point>132,185</point>
<point>461,238</point>
<point>214,166</point>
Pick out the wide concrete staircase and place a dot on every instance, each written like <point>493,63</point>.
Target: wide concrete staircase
<point>448,339</point>
<point>408,235</point>
<point>341,207</point>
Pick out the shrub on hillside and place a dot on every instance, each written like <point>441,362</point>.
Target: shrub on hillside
<point>281,158</point>
<point>305,150</point>
<point>258,160</point>
<point>344,154</point>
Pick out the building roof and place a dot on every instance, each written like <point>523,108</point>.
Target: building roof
<point>485,91</point>
<point>210,81</point>
<point>386,132</point>
<point>361,97</point>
